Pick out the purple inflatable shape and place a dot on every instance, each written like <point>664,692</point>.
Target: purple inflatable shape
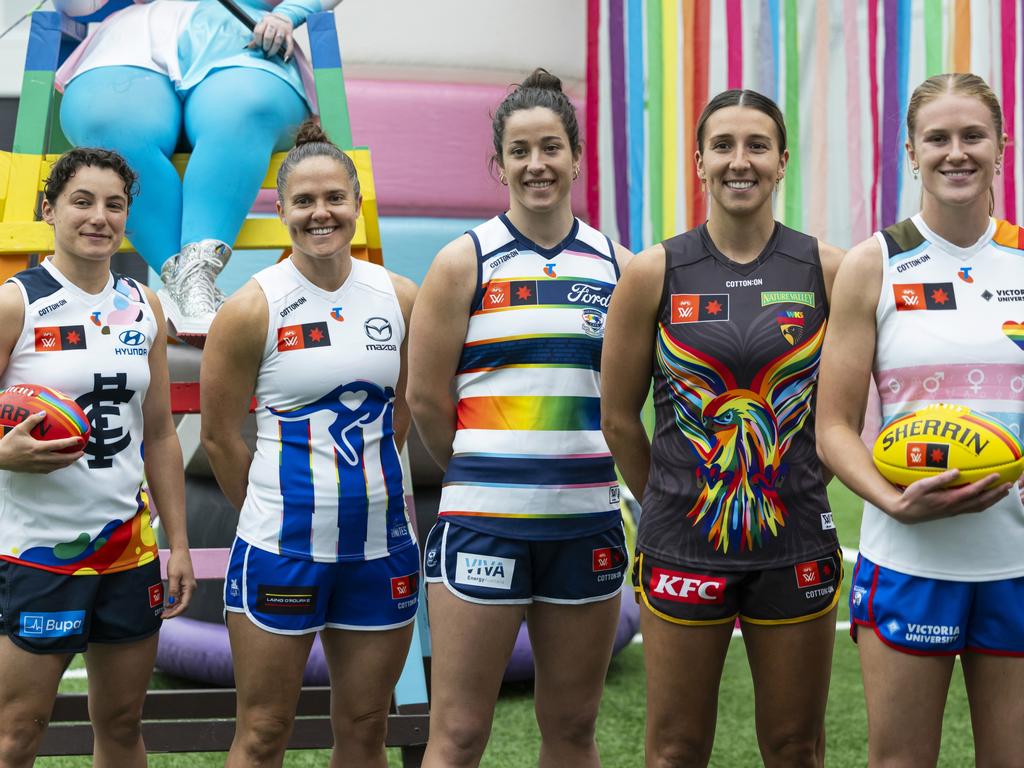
<point>199,650</point>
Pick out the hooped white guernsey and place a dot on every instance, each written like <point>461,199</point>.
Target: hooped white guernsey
<point>950,325</point>
<point>325,483</point>
<point>529,460</point>
<point>92,516</point>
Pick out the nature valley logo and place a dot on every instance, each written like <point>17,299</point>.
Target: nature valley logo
<point>788,297</point>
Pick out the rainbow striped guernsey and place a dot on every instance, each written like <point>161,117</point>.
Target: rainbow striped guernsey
<point>529,459</point>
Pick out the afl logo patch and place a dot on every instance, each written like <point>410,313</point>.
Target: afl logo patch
<point>132,338</point>
<point>378,329</point>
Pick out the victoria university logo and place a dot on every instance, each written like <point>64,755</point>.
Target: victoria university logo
<point>107,439</point>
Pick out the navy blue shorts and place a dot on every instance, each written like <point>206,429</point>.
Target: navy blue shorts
<point>288,596</point>
<point>482,568</point>
<point>46,612</point>
<point>934,617</point>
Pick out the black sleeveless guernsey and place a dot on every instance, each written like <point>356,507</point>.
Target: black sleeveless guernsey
<point>735,482</point>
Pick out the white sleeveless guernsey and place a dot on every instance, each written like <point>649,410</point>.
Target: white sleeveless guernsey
<point>326,481</point>
<point>90,517</point>
<point>950,323</point>
<point>529,460</point>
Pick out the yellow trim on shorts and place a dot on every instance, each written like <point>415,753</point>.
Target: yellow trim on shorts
<point>810,616</point>
<point>673,619</point>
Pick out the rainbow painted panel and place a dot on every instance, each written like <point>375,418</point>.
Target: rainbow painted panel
<point>120,546</point>
<point>529,413</point>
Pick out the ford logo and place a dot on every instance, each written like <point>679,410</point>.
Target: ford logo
<point>132,338</point>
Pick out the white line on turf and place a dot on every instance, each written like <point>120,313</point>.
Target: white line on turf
<point>75,674</point>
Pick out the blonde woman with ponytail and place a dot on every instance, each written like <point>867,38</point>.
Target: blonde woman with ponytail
<point>940,571</point>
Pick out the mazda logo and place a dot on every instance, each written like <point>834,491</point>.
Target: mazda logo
<point>378,329</point>
<point>132,338</point>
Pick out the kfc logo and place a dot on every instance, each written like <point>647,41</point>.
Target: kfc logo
<point>687,587</point>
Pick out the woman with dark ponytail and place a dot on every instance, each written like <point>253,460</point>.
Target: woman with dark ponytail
<point>728,319</point>
<point>323,540</point>
<point>505,388</point>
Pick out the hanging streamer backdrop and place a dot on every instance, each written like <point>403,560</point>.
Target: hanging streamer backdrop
<point>842,73</point>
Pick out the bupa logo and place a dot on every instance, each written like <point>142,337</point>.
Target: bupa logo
<point>691,588</point>
<point>378,329</point>
<point>484,571</point>
<point>132,338</point>
<point>52,624</point>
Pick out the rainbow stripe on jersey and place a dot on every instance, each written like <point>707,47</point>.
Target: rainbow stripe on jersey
<point>529,460</point>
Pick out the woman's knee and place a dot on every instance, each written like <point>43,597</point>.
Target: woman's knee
<point>570,726</point>
<point>20,735</point>
<point>798,750</point>
<point>119,724</point>
<point>364,731</point>
<point>460,740</point>
<point>264,733</point>
<point>678,750</point>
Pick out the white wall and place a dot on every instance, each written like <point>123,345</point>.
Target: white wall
<point>495,41</point>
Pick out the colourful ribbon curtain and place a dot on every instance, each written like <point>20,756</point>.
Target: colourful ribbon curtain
<point>656,63</point>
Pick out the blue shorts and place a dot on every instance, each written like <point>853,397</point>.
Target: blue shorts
<point>482,568</point>
<point>288,596</point>
<point>933,617</point>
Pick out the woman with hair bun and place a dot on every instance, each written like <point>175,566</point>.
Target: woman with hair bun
<point>511,319</point>
<point>323,541</point>
<point>940,572</point>
<point>728,319</point>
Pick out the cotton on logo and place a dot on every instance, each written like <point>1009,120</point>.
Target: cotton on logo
<point>686,587</point>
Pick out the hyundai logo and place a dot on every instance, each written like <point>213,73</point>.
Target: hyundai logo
<point>132,338</point>
<point>378,329</point>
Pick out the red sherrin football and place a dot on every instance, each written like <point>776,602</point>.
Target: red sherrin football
<point>63,416</point>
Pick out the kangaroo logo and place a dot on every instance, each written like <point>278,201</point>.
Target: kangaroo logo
<point>354,405</point>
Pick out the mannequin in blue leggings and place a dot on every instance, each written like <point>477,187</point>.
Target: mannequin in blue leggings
<point>234,105</point>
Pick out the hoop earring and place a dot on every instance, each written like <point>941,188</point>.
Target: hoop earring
<point>575,172</point>
<point>502,179</point>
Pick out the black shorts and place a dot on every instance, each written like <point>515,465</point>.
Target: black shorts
<point>696,596</point>
<point>46,612</point>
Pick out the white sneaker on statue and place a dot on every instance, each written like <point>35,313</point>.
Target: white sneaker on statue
<point>190,296</point>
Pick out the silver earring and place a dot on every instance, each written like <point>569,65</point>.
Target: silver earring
<point>914,172</point>
<point>999,170</point>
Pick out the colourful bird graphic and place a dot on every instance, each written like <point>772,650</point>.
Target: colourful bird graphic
<point>740,435</point>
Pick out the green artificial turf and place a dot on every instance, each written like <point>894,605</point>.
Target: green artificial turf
<point>515,741</point>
